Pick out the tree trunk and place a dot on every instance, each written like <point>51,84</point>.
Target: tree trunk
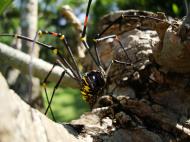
<point>21,123</point>
<point>28,86</point>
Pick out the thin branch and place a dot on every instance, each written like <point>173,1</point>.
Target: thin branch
<point>21,61</point>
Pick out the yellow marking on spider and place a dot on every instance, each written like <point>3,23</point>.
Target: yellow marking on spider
<point>84,98</point>
<point>55,51</point>
<point>85,80</point>
<point>83,38</point>
<point>94,40</point>
<point>86,88</point>
<point>40,33</point>
<point>84,95</point>
<point>62,37</point>
<point>44,85</point>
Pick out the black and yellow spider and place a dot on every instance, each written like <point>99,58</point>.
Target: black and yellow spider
<point>92,83</point>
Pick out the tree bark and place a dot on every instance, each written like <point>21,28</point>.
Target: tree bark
<point>21,123</point>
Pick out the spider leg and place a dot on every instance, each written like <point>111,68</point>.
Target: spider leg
<point>55,88</point>
<point>110,25</point>
<point>116,62</point>
<point>116,38</point>
<point>83,37</point>
<point>86,19</point>
<point>63,39</point>
<point>59,62</point>
<point>140,20</point>
<point>50,47</point>
<point>45,89</point>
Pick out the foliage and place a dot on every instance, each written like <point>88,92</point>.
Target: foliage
<point>4,4</point>
<point>175,8</point>
<point>67,104</point>
<point>170,7</point>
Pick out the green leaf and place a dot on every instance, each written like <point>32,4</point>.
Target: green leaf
<point>4,4</point>
<point>175,8</point>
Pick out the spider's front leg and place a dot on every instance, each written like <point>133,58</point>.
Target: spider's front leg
<point>56,86</point>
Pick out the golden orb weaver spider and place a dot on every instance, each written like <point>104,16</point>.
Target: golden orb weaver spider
<point>93,82</point>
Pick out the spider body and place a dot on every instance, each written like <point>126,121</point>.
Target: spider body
<point>92,83</point>
<point>92,86</point>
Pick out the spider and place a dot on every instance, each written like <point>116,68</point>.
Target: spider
<point>92,83</point>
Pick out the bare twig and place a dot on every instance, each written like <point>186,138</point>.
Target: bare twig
<point>67,12</point>
<point>41,68</point>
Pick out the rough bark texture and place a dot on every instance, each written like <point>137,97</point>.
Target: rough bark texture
<point>154,85</point>
<point>21,123</point>
<point>146,100</point>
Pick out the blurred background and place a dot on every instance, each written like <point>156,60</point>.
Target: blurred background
<point>26,17</point>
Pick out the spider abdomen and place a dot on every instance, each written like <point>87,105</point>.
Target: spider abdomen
<point>93,83</point>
